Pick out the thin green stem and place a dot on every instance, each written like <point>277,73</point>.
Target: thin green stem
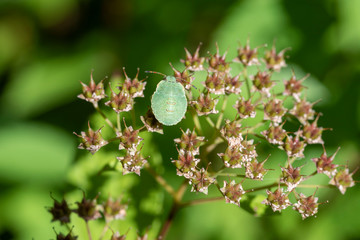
<point>118,121</point>
<point>196,122</point>
<point>228,174</point>
<point>160,180</point>
<point>88,229</point>
<point>211,123</point>
<point>202,200</point>
<point>223,107</point>
<point>96,106</point>
<point>247,81</point>
<point>103,232</point>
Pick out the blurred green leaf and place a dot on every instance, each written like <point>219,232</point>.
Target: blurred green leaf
<point>34,152</point>
<point>252,204</point>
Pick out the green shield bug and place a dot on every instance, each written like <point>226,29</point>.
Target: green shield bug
<point>168,102</point>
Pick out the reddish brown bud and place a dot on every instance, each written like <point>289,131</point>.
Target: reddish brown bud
<point>247,56</point>
<point>60,211</point>
<point>88,209</point>
<point>201,181</point>
<point>274,111</point>
<point>275,61</point>
<point>244,108</point>
<point>218,63</point>
<point>232,192</point>
<point>306,206</point>
<point>343,180</point>
<point>92,92</point>
<point>190,141</point>
<point>256,170</point>
<point>215,83</point>
<point>120,102</point>
<point>277,200</point>
<point>312,133</point>
<point>194,62</point>
<point>91,140</point>
<point>232,132</point>
<point>324,163</point>
<point>275,134</point>
<point>303,111</point>
<point>205,104</point>
<point>186,163</point>
<point>293,87</point>
<point>294,147</point>
<point>132,162</point>
<point>134,87</point>
<point>291,177</point>
<point>232,84</point>
<point>262,82</point>
<point>129,138</point>
<point>184,77</point>
<point>232,157</point>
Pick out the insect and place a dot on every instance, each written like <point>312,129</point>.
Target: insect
<point>168,102</point>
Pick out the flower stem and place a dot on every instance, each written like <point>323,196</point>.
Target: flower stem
<point>96,106</point>
<point>160,180</point>
<point>223,107</point>
<point>88,229</point>
<point>118,122</point>
<point>196,122</point>
<point>247,81</point>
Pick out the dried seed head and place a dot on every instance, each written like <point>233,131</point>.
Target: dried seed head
<point>275,61</point>
<point>151,123</point>
<point>60,211</point>
<point>233,157</point>
<point>205,104</point>
<point>69,236</point>
<point>293,87</point>
<point>294,147</point>
<point>215,83</point>
<point>303,111</point>
<point>92,92</point>
<point>232,192</point>
<point>256,170</point>
<point>91,140</point>
<point>232,84</point>
<point>312,133</point>
<point>248,150</point>
<point>185,165</point>
<point>132,162</point>
<point>194,62</point>
<point>277,200</point>
<point>134,87</point>
<point>129,138</point>
<point>244,108</point>
<point>324,164</point>
<point>114,209</point>
<point>184,77</point>
<point>306,206</point>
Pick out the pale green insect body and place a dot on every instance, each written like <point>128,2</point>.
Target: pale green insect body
<point>169,102</point>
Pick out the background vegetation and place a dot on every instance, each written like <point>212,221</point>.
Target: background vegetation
<point>47,47</point>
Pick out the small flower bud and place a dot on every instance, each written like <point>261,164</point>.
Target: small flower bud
<point>324,164</point>
<point>312,133</point>
<point>132,162</point>
<point>205,104</point>
<point>306,206</point>
<point>343,180</point>
<point>293,87</point>
<point>232,157</point>
<point>215,83</point>
<point>274,111</point>
<point>134,87</point>
<point>232,84</point>
<point>88,209</point>
<point>275,134</point>
<point>120,102</point>
<point>190,141</point>
<point>114,210</point>
<point>303,111</point>
<point>185,78</point>
<point>247,56</point>
<point>294,147</point>
<point>291,177</point>
<point>151,123</point>
<point>232,132</point>
<point>248,150</point>
<point>185,165</point>
<point>256,170</point>
<point>275,61</point>
<point>218,63</point>
<point>232,192</point>
<point>201,181</point>
<point>92,92</point>
<point>129,138</point>
<point>91,140</point>
<point>262,82</point>
<point>60,211</point>
<point>277,200</point>
<point>69,236</point>
<point>194,62</point>
<point>244,108</point>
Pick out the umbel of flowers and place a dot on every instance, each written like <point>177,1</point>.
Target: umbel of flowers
<point>232,142</point>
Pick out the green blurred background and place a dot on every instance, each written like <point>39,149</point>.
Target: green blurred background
<point>47,47</point>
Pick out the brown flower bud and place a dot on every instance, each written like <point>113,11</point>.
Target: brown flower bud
<point>134,87</point>
<point>244,108</point>
<point>60,211</point>
<point>232,192</point>
<point>205,104</point>
<point>151,123</point>
<point>248,150</point>
<point>189,141</point>
<point>233,157</point>
<point>291,177</point>
<point>262,82</point>
<point>132,162</point>
<point>275,134</point>
<point>185,165</point>
<point>343,180</point>
<point>274,111</point>
<point>303,111</point>
<point>184,77</point>
<point>114,209</point>
<point>256,170</point>
<point>215,83</point>
<point>88,209</point>
<point>275,61</point>
<point>232,132</point>
<point>129,138</point>
<point>312,133</point>
<point>92,92</point>
<point>294,147</point>
<point>194,62</point>
<point>293,87</point>
<point>277,200</point>
<point>306,206</point>
<point>324,163</point>
<point>69,236</point>
<point>201,181</point>
<point>91,140</point>
<point>218,63</point>
<point>247,56</point>
<point>232,84</point>
<point>120,102</point>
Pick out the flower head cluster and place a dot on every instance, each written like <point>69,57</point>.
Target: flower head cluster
<point>91,140</point>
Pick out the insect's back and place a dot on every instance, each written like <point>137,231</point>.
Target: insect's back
<point>169,102</point>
